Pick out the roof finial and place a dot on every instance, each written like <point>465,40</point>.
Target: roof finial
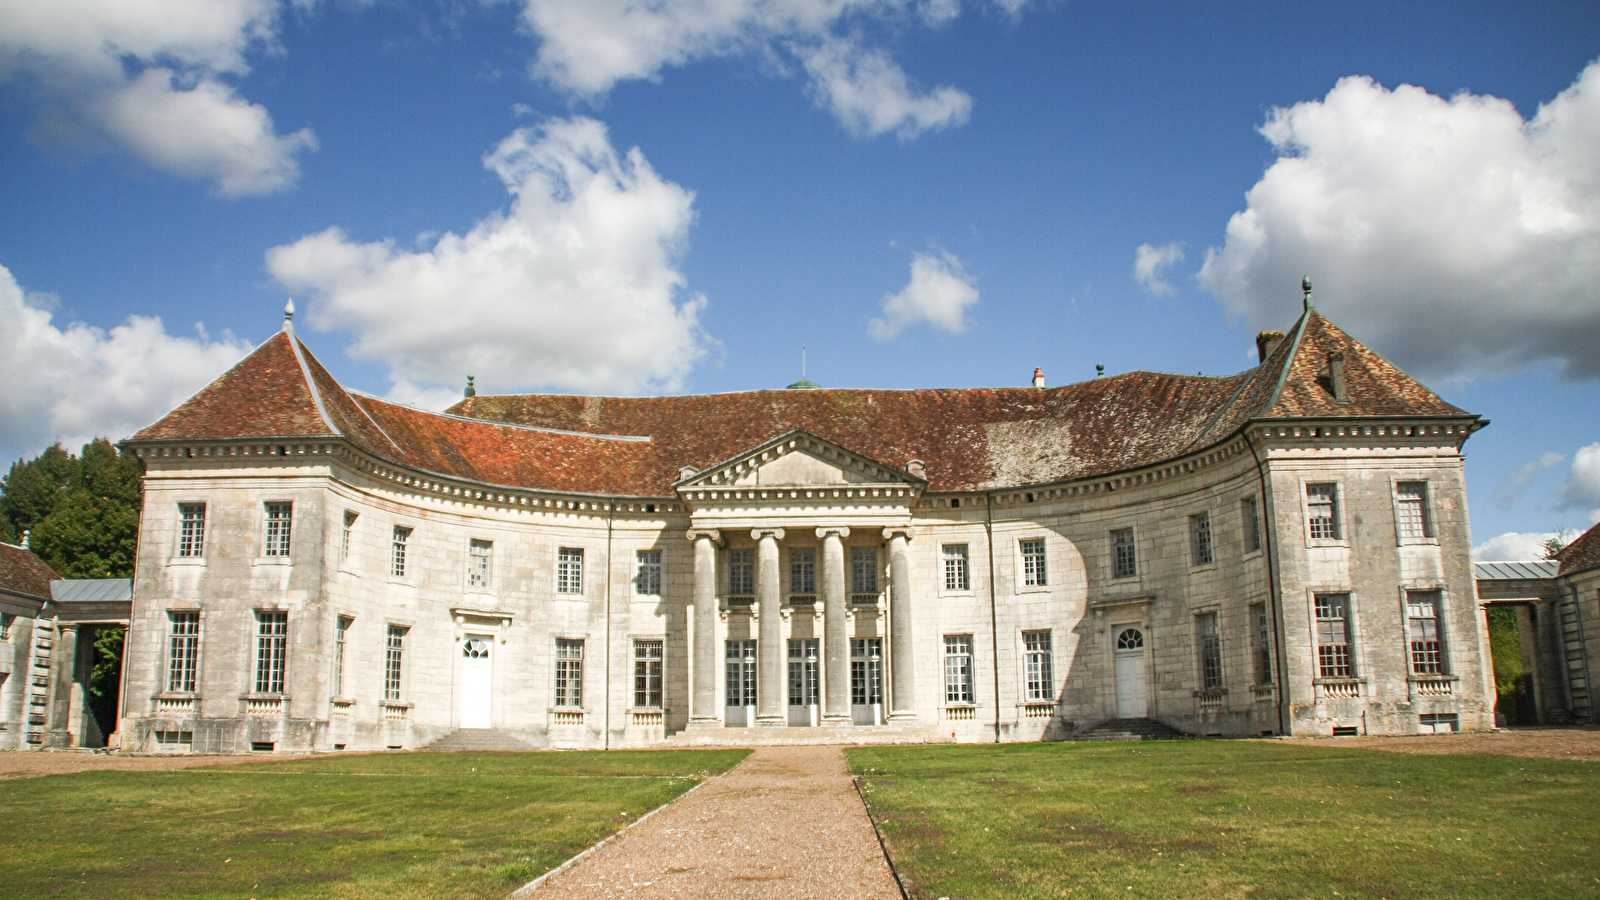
<point>288,315</point>
<point>470,391</point>
<point>1099,369</point>
<point>1305,285</point>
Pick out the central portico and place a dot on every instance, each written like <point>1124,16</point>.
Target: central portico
<point>841,522</point>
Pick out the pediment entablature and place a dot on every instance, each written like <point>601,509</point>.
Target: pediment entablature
<point>800,459</point>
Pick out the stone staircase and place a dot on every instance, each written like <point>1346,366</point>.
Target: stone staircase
<point>478,739</point>
<point>791,736</point>
<point>1128,730</point>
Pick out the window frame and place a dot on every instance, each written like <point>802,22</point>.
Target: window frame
<point>959,681</point>
<point>271,655</point>
<point>1340,537</point>
<point>346,531</point>
<point>958,580</point>
<point>1418,664</point>
<point>651,670</point>
<point>1033,563</point>
<point>802,571</point>
<point>187,663</point>
<point>191,546</point>
<point>1260,643</point>
<point>1208,650</point>
<point>1202,540</point>
<point>1038,666</point>
<point>394,648</point>
<point>1330,661</point>
<point>1424,505</point>
<point>647,574</point>
<point>569,657</point>
<point>865,571</point>
<point>741,572</point>
<point>278,539</point>
<point>1252,538</point>
<point>569,571</point>
<point>341,640</point>
<point>1114,556</point>
<point>480,564</point>
<point>399,542</point>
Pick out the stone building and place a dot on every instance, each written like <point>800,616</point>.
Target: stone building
<point>1285,550</point>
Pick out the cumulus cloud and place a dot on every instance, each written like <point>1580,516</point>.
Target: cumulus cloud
<point>1506,495</point>
<point>1523,546</point>
<point>76,383</point>
<point>1150,261</point>
<point>1457,237</point>
<point>1582,490</point>
<point>588,46</point>
<point>148,76</point>
<point>939,293</point>
<point>576,287</point>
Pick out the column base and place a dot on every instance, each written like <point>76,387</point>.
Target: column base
<point>772,721</point>
<point>903,715</point>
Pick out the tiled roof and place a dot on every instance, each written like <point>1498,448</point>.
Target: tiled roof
<point>968,439</point>
<point>1582,554</point>
<point>23,573</point>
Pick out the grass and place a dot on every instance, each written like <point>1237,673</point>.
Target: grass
<point>427,825</point>
<point>1220,819</point>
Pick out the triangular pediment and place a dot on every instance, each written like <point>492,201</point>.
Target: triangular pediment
<point>799,459</point>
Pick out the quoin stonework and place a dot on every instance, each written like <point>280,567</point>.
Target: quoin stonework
<point>1281,551</point>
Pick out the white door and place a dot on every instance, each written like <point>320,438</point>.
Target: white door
<point>1131,702</point>
<point>477,681</point>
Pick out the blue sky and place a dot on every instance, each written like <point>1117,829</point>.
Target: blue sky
<point>616,197</point>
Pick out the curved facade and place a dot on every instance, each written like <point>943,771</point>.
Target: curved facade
<point>1281,551</point>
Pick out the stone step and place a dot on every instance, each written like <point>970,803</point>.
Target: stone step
<point>774,736</point>
<point>1129,730</point>
<point>477,739</point>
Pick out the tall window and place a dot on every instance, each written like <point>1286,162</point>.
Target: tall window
<point>569,571</point>
<point>344,536</point>
<point>1033,571</point>
<point>192,529</point>
<point>1260,644</point>
<point>1200,539</point>
<point>1427,651</point>
<point>1038,666</point>
<point>866,671</point>
<point>183,651</point>
<point>802,571</point>
<point>1414,519</point>
<point>340,634</point>
<point>741,572</point>
<point>1322,511</point>
<point>569,672</point>
<point>741,671</point>
<point>956,575</point>
<point>480,563</point>
<point>280,518</point>
<point>863,570</point>
<point>1124,562</point>
<point>647,674</point>
<point>394,649</point>
<point>648,579</point>
<point>1333,636</point>
<point>958,667</point>
<point>272,647</point>
<point>397,555</point>
<point>1210,646</point>
<point>1252,524</point>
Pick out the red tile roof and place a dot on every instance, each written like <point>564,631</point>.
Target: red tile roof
<point>1582,554</point>
<point>23,573</point>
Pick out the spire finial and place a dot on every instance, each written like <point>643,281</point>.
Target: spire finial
<point>288,315</point>
<point>470,391</point>
<point>1305,286</point>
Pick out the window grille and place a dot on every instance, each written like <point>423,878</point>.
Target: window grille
<point>393,656</point>
<point>647,674</point>
<point>192,536</point>
<point>1261,644</point>
<point>397,557</point>
<point>480,563</point>
<point>741,572</point>
<point>648,578</point>
<point>344,536</point>
<point>863,570</point>
<point>272,645</point>
<point>569,672</point>
<point>1033,570</point>
<point>1125,564</point>
<point>1333,636</point>
<point>183,654</point>
<point>1200,539</point>
<point>341,632</point>
<point>569,571</point>
<point>280,519</point>
<point>958,667</point>
<point>1210,651</point>
<point>803,689</point>
<point>956,574</point>
<point>1414,519</point>
<point>803,571</point>
<point>1427,651</point>
<point>5,626</point>
<point>741,671</point>
<point>1252,524</point>
<point>1322,510</point>
<point>1039,666</point>
<point>866,671</point>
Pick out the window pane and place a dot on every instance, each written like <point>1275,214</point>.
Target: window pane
<point>958,668</point>
<point>183,651</point>
<point>280,517</point>
<point>1413,509</point>
<point>1333,643</point>
<point>1124,563</point>
<point>1033,566</point>
<point>569,571</point>
<point>480,562</point>
<point>1210,644</point>
<point>344,537</point>
<point>192,533</point>
<point>1322,511</point>
<point>1200,539</point>
<point>863,570</point>
<point>956,576</point>
<point>648,578</point>
<point>394,650</point>
<point>1039,666</point>
<point>569,672</point>
<point>272,637</point>
<point>741,572</point>
<point>397,557</point>
<point>1427,650</point>
<point>803,571</point>
<point>1252,524</point>
<point>647,673</point>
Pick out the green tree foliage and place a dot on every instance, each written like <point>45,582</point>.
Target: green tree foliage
<point>107,671</point>
<point>82,512</point>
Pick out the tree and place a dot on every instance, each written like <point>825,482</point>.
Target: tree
<point>1554,545</point>
<point>83,512</point>
<point>33,488</point>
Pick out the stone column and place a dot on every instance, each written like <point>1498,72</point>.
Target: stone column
<point>770,686</point>
<point>835,632</point>
<point>63,666</point>
<point>703,712</point>
<point>902,659</point>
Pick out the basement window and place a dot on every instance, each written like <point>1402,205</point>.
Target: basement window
<point>262,746</point>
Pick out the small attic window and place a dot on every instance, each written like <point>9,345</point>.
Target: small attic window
<point>955,501</point>
<point>649,507</point>
<point>1030,497</point>
<point>1336,378</point>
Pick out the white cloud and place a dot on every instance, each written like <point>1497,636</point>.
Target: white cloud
<point>1582,489</point>
<point>587,46</point>
<point>76,383</point>
<point>1148,263</point>
<point>574,288</point>
<point>1522,546</point>
<point>1506,495</point>
<point>146,75</point>
<point>939,293</point>
<point>1454,235</point>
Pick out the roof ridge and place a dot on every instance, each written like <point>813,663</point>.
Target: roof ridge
<point>602,435</point>
<point>1299,329</point>
<point>311,384</point>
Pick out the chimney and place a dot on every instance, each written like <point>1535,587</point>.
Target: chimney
<point>916,467</point>
<point>1266,342</point>
<point>1336,382</point>
<point>1038,376</point>
<point>470,391</point>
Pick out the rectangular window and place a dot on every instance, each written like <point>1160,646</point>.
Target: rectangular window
<point>340,634</point>
<point>1039,666</point>
<point>394,649</point>
<point>863,570</point>
<point>480,563</point>
<point>958,667</point>
<point>1260,644</point>
<point>1210,646</point>
<point>1322,511</point>
<point>397,555</point>
<point>344,536</point>
<point>802,571</point>
<point>1413,509</point>
<point>741,572</point>
<point>569,672</point>
<point>1033,571</point>
<point>1124,562</point>
<point>1427,651</point>
<point>183,651</point>
<point>741,672</point>
<point>647,674</point>
<point>569,571</point>
<point>5,626</point>
<point>956,575</point>
<point>866,671</point>
<point>648,579</point>
<point>272,650</point>
<point>1333,636</point>
<point>280,518</point>
<point>1252,524</point>
<point>1200,539</point>
<point>192,532</point>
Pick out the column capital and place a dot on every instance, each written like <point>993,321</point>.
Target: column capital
<point>759,533</point>
<point>903,531</point>
<point>713,534</point>
<point>841,530</point>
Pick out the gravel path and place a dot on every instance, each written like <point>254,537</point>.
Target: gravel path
<point>785,824</point>
<point>1550,743</point>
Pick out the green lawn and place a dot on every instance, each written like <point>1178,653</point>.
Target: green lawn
<point>416,825</point>
<point>1232,819</point>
